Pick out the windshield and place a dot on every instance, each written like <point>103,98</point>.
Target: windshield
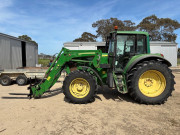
<point>125,44</point>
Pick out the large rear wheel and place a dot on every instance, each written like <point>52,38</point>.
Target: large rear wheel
<point>150,82</point>
<point>79,87</point>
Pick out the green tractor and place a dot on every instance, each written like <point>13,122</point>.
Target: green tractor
<point>126,66</point>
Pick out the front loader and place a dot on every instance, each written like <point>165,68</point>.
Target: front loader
<point>127,66</point>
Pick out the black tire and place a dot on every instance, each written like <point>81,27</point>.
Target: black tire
<point>135,74</point>
<point>5,80</point>
<point>21,80</point>
<point>82,75</point>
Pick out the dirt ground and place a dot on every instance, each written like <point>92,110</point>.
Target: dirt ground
<point>111,114</point>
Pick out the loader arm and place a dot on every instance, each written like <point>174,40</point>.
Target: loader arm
<point>54,71</point>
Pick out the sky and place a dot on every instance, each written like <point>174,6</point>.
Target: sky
<point>53,22</point>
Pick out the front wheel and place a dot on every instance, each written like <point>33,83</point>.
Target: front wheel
<point>150,82</point>
<point>79,87</point>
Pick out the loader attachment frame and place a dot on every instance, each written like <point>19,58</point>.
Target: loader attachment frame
<point>52,75</point>
<point>60,63</point>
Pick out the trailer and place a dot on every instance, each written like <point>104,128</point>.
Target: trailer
<point>21,75</point>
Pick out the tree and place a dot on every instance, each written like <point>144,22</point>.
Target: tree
<point>160,29</point>
<point>86,37</point>
<point>149,24</point>
<point>166,29</point>
<point>27,38</point>
<point>105,26</point>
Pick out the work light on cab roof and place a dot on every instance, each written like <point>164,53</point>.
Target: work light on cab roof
<point>116,27</point>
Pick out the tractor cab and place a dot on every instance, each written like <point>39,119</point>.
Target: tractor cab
<point>122,45</point>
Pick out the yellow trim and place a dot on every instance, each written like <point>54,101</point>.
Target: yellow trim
<point>152,83</point>
<point>105,55</point>
<point>103,72</point>
<point>87,53</point>
<point>79,88</point>
<point>48,78</point>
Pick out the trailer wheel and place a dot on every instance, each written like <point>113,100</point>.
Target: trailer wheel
<point>21,80</point>
<point>79,87</point>
<point>150,82</point>
<point>5,80</point>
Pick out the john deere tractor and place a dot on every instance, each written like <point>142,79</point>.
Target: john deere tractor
<point>127,66</point>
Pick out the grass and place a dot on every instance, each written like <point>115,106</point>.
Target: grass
<point>178,61</point>
<point>44,62</point>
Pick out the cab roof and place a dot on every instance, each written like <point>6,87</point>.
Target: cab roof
<point>131,32</point>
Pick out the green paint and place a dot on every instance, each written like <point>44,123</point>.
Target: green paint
<point>76,60</point>
<point>148,45</point>
<point>61,61</point>
<point>132,32</point>
<point>68,70</point>
<point>123,82</point>
<point>137,57</point>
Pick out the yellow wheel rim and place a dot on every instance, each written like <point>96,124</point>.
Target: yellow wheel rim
<point>79,88</point>
<point>152,83</point>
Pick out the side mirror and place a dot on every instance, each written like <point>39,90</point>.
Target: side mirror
<point>107,47</point>
<point>107,43</point>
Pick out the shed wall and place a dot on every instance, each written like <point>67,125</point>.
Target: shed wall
<point>87,47</point>
<point>31,55</point>
<point>5,51</point>
<point>73,48</point>
<point>10,53</point>
<point>168,49</point>
<point>170,53</point>
<point>16,54</point>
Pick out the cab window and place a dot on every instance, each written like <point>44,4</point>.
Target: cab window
<point>125,43</point>
<point>111,46</point>
<point>141,44</point>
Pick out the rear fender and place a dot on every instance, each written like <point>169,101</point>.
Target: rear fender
<point>132,62</point>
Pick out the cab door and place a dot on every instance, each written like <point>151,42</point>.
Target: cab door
<point>125,50</point>
<point>128,46</point>
<point>111,60</point>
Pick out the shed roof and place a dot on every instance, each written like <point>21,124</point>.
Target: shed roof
<point>15,38</point>
<point>164,43</point>
<point>76,44</point>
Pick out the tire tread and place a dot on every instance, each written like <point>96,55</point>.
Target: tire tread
<point>76,73</point>
<point>137,68</point>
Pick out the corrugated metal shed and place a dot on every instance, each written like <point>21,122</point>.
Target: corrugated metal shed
<point>83,45</point>
<point>168,49</point>
<point>31,58</point>
<point>12,54</point>
<point>16,54</point>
